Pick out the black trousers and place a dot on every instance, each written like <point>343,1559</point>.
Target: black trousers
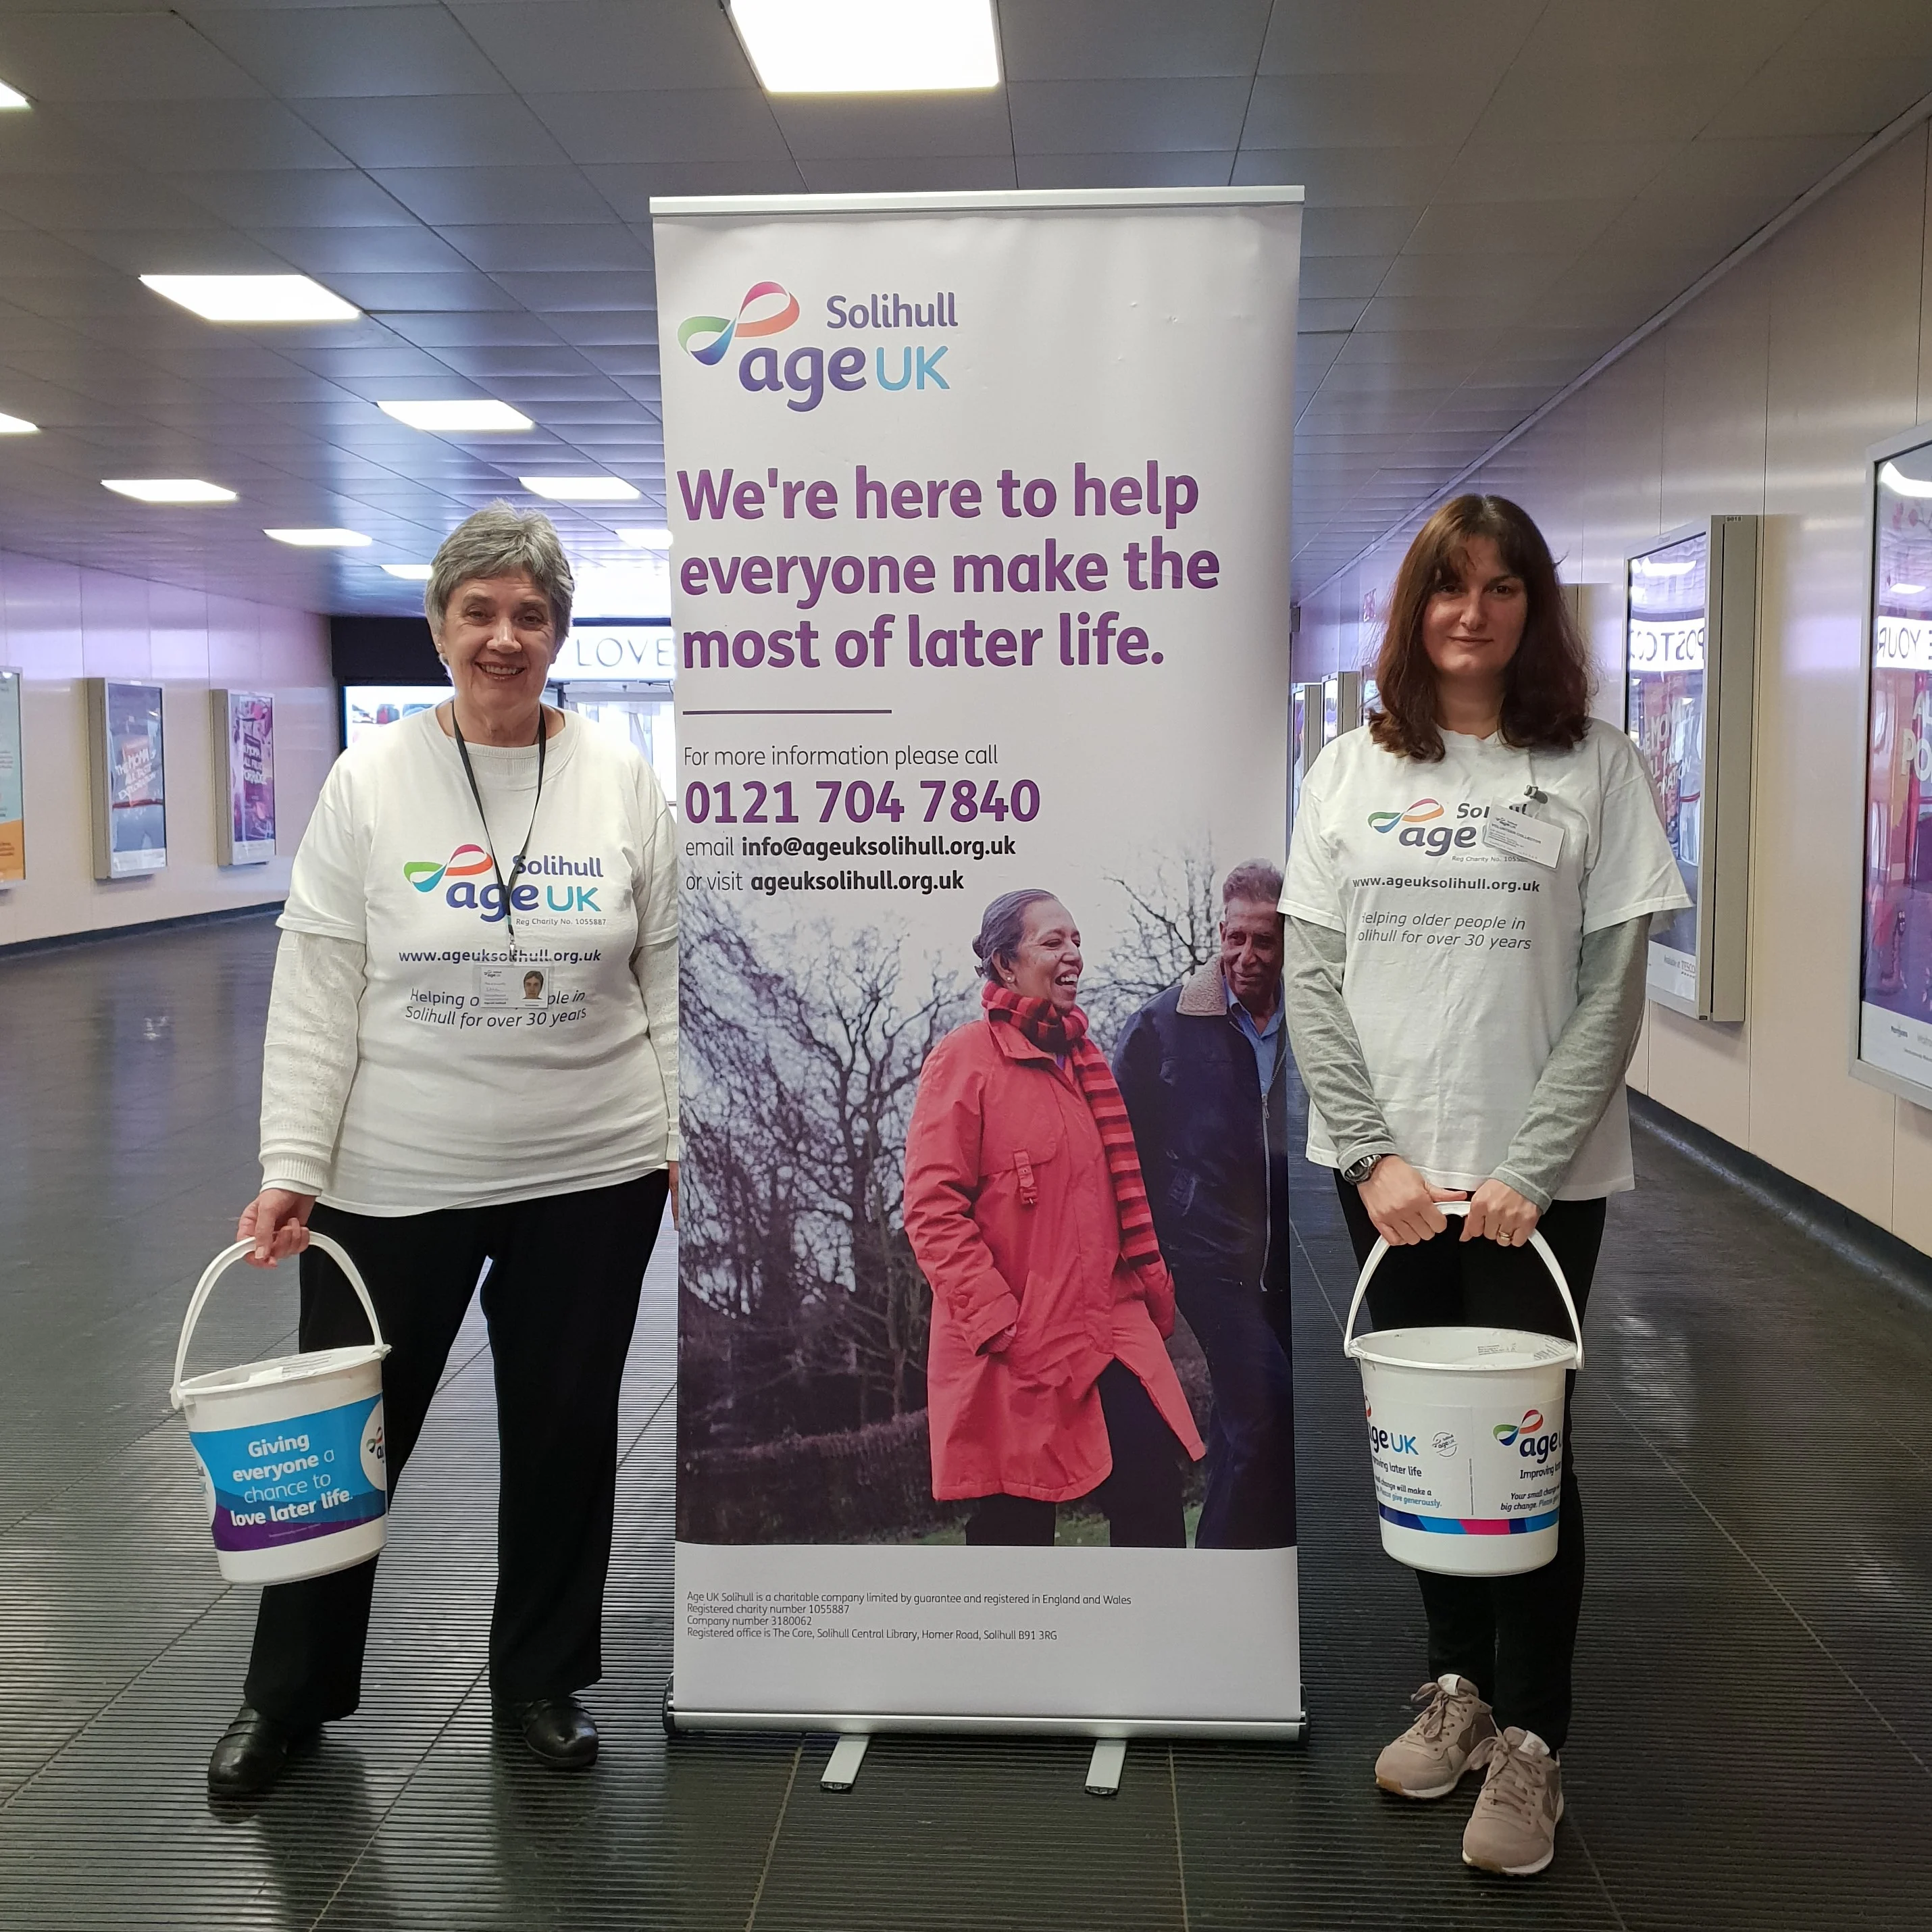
<point>1250,1503</point>
<point>1514,1637</point>
<point>1141,1499</point>
<point>561,1300</point>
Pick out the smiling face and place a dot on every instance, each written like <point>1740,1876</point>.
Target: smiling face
<point>1471,628</point>
<point>1251,954</point>
<point>1046,965</point>
<point>498,638</point>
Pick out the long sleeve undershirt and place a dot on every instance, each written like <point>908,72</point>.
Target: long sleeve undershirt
<point>1590,1055</point>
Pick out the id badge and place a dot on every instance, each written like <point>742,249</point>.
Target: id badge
<point>511,985</point>
<point>1517,835</point>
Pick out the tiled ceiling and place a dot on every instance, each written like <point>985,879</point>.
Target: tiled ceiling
<point>1497,191</point>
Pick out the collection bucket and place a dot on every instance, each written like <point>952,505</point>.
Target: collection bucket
<point>1465,1434</point>
<point>290,1451</point>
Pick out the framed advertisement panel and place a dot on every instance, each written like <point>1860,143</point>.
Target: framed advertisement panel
<point>243,726</point>
<point>127,754</point>
<point>12,799</point>
<point>1690,644</point>
<point>1893,1041</point>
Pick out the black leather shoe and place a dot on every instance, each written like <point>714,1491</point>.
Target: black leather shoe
<point>253,1752</point>
<point>558,1730</point>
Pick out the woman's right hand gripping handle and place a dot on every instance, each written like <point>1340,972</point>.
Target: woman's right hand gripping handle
<point>1403,1204</point>
<point>277,1222</point>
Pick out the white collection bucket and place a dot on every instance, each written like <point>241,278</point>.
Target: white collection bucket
<point>1465,1434</point>
<point>291,1450</point>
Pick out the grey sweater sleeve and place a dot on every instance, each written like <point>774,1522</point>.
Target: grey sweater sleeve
<point>1591,1055</point>
<point>1328,1055</point>
<point>309,1057</point>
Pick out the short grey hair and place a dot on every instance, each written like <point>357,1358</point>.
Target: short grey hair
<point>1002,926</point>
<point>1253,882</point>
<point>499,540</point>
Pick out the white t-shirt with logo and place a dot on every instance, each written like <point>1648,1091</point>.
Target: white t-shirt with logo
<point>1460,968</point>
<point>487,1073</point>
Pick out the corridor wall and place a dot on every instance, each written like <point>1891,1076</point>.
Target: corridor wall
<point>63,622</point>
<point>1762,397</point>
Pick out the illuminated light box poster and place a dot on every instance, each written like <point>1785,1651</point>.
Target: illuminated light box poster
<point>126,744</point>
<point>12,793</point>
<point>1894,1033</point>
<point>243,727</point>
<point>980,585</point>
<point>368,707</point>
<point>1665,717</point>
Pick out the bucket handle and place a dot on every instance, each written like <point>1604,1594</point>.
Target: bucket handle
<point>1350,1343</point>
<point>226,1259</point>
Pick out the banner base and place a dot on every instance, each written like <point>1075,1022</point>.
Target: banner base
<point>846,1724</point>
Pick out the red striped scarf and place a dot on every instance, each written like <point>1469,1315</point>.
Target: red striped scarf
<point>1065,1034</point>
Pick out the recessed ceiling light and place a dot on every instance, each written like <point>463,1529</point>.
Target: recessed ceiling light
<point>473,416</point>
<point>1681,566</point>
<point>254,297</point>
<point>1905,590</point>
<point>1894,479</point>
<point>167,489</point>
<point>869,47</point>
<point>18,426</point>
<point>11,96</point>
<point>581,489</point>
<point>320,539</point>
<point>645,539</point>
<point>410,573</point>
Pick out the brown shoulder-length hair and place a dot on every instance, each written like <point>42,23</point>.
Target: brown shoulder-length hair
<point>1546,689</point>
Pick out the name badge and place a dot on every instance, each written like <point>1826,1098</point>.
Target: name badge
<point>1514,833</point>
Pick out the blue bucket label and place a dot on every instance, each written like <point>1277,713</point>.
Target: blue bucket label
<point>285,1482</point>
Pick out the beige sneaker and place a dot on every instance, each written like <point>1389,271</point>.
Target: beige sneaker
<point>1429,1758</point>
<point>1513,1829</point>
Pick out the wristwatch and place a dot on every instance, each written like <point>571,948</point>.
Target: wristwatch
<point>1357,1172</point>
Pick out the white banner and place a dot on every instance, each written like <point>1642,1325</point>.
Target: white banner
<point>981,510</point>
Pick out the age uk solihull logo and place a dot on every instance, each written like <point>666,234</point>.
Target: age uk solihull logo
<point>1506,1432</point>
<point>466,862</point>
<point>1420,813</point>
<point>723,330</point>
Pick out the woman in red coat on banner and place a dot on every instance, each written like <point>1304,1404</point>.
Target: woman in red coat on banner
<point>1047,1378</point>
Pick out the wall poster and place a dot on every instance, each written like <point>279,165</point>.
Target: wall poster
<point>125,745</point>
<point>1894,1033</point>
<point>243,725</point>
<point>981,588</point>
<point>13,791</point>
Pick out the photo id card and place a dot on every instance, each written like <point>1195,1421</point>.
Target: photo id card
<point>1515,833</point>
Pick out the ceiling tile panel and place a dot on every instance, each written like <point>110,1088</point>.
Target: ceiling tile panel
<point>159,136</point>
<point>1463,42</point>
<point>465,290</point>
<point>377,49</point>
<point>407,247</point>
<point>295,198</point>
<point>64,55</point>
<point>487,195</point>
<point>628,189</point>
<point>1800,93</point>
<point>531,247</point>
<point>1493,170</point>
<point>109,202</point>
<point>954,173</point>
<point>560,289</point>
<point>1352,177</point>
<point>1580,35</point>
<point>564,46</point>
<point>1358,231</point>
<point>1130,40</point>
<point>1120,117</point>
<point>1611,103</point>
<point>1511,227</point>
<point>1359,111</point>
<point>408,131</point>
<point>1141,170</point>
<point>734,124</point>
<point>1338,276</point>
<point>933,126</point>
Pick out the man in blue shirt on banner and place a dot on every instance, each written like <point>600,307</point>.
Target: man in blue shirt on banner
<point>1204,1070</point>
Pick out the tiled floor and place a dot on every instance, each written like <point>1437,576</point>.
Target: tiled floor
<point>1753,1745</point>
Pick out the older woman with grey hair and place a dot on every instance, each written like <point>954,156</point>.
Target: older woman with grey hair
<point>424,1107</point>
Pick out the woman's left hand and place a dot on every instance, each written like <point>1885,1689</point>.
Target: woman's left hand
<point>1500,1214</point>
<point>673,1193</point>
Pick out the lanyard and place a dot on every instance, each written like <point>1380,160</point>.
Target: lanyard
<point>523,851</point>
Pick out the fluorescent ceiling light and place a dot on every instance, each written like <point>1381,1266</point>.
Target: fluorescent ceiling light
<point>320,539</point>
<point>1894,479</point>
<point>1905,590</point>
<point>581,489</point>
<point>11,96</point>
<point>473,416</point>
<point>645,539</point>
<point>254,297</point>
<point>410,573</point>
<point>1681,566</point>
<point>18,426</point>
<point>869,47</point>
<point>167,489</point>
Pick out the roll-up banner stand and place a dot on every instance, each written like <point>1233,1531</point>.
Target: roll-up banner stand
<point>980,516</point>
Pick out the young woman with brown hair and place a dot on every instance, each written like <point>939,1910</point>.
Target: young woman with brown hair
<point>1468,896</point>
